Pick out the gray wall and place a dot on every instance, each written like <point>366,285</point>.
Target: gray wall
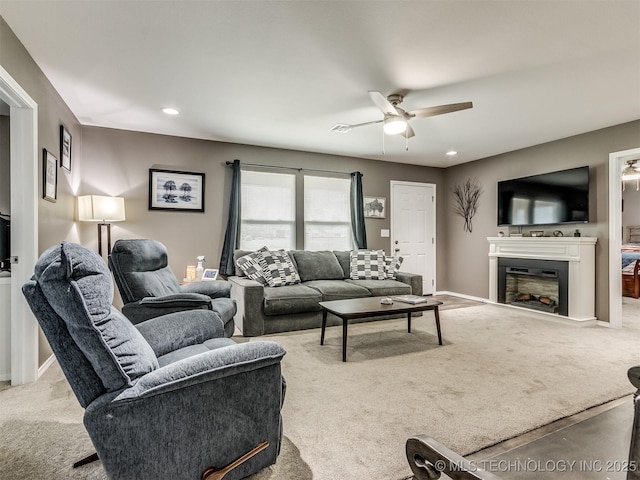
<point>117,162</point>
<point>468,252</point>
<point>55,220</point>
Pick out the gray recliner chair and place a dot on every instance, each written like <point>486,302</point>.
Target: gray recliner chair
<point>170,397</point>
<point>149,288</point>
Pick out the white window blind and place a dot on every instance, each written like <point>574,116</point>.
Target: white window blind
<point>327,213</point>
<point>268,213</point>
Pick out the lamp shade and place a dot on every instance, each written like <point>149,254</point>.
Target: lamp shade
<point>98,208</point>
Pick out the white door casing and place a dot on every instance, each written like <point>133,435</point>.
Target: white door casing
<point>616,162</point>
<point>413,229</point>
<point>23,118</point>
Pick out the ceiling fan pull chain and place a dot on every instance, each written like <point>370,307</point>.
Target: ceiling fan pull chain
<point>383,142</point>
<point>406,143</point>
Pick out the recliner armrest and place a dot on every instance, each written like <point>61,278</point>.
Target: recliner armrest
<point>212,365</point>
<point>181,299</point>
<point>211,288</point>
<point>173,331</point>
<point>151,307</point>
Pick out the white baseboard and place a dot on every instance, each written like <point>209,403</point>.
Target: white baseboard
<point>462,295</point>
<point>547,316</point>
<point>47,363</point>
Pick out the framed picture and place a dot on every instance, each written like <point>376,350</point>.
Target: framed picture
<point>375,207</point>
<point>65,148</point>
<point>173,190</point>
<point>49,176</point>
<point>210,274</point>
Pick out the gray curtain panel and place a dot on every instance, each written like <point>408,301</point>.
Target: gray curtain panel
<point>357,211</point>
<point>232,235</point>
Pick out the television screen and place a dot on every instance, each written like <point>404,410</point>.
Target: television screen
<point>547,199</point>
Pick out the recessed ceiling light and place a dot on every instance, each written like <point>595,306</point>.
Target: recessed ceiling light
<point>170,111</point>
<point>451,153</point>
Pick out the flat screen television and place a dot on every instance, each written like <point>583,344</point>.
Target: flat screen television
<point>548,199</point>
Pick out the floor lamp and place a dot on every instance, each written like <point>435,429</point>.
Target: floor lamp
<point>104,210</point>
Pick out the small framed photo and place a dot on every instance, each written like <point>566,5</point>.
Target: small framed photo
<point>49,176</point>
<point>375,207</point>
<point>65,148</point>
<point>174,190</point>
<point>210,274</point>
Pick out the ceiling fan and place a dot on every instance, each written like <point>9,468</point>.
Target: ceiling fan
<point>396,119</point>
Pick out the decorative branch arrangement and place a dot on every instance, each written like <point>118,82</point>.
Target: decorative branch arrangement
<point>467,196</point>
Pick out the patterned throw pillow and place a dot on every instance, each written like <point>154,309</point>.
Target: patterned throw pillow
<point>278,269</point>
<point>250,265</point>
<point>391,266</point>
<point>367,265</point>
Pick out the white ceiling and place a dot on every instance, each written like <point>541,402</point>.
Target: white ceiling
<point>282,73</point>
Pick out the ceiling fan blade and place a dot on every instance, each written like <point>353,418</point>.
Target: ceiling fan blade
<point>382,103</point>
<point>409,132</point>
<point>440,109</point>
<point>344,128</point>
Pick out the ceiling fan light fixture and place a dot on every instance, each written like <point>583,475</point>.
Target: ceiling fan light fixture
<point>630,173</point>
<point>393,125</point>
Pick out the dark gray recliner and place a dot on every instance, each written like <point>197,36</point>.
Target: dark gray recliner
<point>167,398</point>
<point>149,288</point>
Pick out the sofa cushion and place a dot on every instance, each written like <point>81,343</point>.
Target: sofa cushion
<point>251,266</point>
<point>383,288</point>
<point>392,266</point>
<point>367,265</point>
<point>318,265</point>
<point>291,299</point>
<point>338,289</point>
<point>77,284</point>
<point>237,254</point>
<point>344,259</point>
<point>278,269</point>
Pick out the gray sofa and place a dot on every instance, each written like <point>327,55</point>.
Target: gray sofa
<point>324,276</point>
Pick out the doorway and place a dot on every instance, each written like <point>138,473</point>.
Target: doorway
<point>616,162</point>
<point>23,126</point>
<point>413,229</point>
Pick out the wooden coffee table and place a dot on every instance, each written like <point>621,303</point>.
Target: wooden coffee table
<point>371,307</point>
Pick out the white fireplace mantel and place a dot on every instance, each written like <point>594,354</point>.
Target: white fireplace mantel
<point>578,251</point>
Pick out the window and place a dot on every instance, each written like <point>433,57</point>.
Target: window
<point>268,211</point>
<point>327,213</point>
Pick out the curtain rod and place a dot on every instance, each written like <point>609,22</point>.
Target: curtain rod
<point>277,167</point>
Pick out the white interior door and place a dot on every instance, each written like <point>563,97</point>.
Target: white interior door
<point>413,229</point>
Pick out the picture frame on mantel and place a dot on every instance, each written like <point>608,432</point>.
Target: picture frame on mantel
<point>49,176</point>
<point>65,148</point>
<point>375,207</point>
<point>176,190</point>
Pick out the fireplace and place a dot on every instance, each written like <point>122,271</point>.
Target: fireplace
<point>571,270</point>
<point>533,283</point>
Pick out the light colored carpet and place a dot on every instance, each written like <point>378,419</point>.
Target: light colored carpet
<point>499,374</point>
